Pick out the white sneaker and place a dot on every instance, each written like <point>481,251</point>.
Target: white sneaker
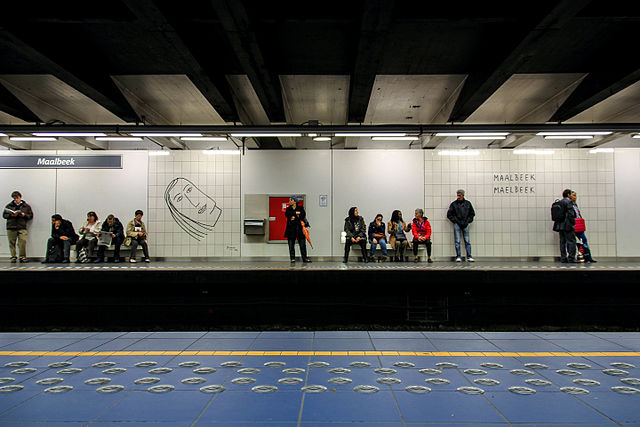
<point>458,259</point>
<point>470,259</point>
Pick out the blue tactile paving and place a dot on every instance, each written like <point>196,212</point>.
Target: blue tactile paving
<point>339,404</point>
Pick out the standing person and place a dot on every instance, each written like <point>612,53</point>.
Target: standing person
<point>62,237</point>
<point>137,235</point>
<point>17,213</point>
<point>89,232</point>
<point>377,236</point>
<point>355,230</point>
<point>113,226</point>
<point>396,229</point>
<point>564,225</point>
<point>296,216</point>
<point>581,234</point>
<point>461,214</point>
<point>421,229</point>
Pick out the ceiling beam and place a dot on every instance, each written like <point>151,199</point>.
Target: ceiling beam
<point>376,18</point>
<point>431,141</point>
<point>155,21</point>
<point>10,104</point>
<point>244,42</point>
<point>99,88</point>
<point>596,87</point>
<point>479,86</point>
<point>513,141</point>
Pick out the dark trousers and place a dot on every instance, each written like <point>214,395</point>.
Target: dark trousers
<point>57,248</point>
<point>90,244</point>
<point>292,247</point>
<point>347,248</point>
<point>116,242</point>
<point>134,246</point>
<point>401,247</point>
<point>567,244</point>
<point>417,242</point>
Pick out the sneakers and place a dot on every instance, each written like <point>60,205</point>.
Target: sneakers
<point>132,260</point>
<point>470,259</point>
<point>14,260</point>
<point>306,260</point>
<point>458,259</point>
<point>147,260</point>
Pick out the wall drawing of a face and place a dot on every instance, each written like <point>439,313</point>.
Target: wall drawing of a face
<point>192,209</point>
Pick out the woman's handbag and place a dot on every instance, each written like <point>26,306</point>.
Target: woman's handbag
<point>580,225</point>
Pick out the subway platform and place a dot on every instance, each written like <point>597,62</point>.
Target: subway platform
<point>315,378</point>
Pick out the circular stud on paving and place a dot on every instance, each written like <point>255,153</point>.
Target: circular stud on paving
<point>366,389</point>
<point>417,389</point>
<point>98,381</point>
<point>213,388</point>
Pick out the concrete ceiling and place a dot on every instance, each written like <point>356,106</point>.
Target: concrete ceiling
<point>366,61</point>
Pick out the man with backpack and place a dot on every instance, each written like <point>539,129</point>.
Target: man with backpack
<point>564,222</point>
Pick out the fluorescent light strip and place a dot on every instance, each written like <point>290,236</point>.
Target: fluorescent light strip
<point>159,153</point>
<point>215,152</point>
<point>371,134</point>
<point>569,137</point>
<point>572,133</point>
<point>395,138</point>
<point>204,138</point>
<point>118,138</point>
<point>256,135</point>
<point>163,134</point>
<point>32,138</point>
<point>322,138</point>
<point>601,150</point>
<point>459,153</point>
<point>480,138</point>
<point>69,134</point>
<point>636,136</point>
<point>472,133</point>
<point>3,134</point>
<point>535,152</point>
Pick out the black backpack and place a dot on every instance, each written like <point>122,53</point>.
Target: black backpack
<point>557,211</point>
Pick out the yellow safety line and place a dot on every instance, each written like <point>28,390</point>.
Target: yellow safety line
<point>323,353</point>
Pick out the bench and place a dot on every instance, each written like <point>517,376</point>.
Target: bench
<point>408,253</point>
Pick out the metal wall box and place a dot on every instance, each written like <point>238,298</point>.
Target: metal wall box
<point>254,226</point>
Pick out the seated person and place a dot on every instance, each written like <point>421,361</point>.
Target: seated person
<point>89,232</point>
<point>137,235</point>
<point>62,237</point>
<point>397,237</point>
<point>355,229</point>
<point>421,234</point>
<point>114,227</point>
<point>377,236</point>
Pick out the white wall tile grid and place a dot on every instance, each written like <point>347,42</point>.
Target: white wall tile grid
<point>199,179</point>
<point>515,223</point>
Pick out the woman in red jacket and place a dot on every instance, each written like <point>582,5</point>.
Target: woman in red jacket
<point>421,230</point>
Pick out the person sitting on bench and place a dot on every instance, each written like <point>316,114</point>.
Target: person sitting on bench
<point>114,227</point>
<point>137,235</point>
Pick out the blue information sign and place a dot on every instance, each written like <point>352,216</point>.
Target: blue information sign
<point>61,162</point>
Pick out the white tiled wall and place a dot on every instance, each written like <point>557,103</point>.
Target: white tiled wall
<point>513,225</point>
<point>218,176</point>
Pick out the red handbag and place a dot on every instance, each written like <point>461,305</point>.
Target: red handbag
<point>580,225</point>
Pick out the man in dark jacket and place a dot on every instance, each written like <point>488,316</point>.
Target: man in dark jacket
<point>114,227</point>
<point>566,229</point>
<point>17,213</point>
<point>356,234</point>
<point>461,214</point>
<point>62,237</point>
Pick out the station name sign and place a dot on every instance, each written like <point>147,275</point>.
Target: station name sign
<point>61,162</point>
<point>521,183</point>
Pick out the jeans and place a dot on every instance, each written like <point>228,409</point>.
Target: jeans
<point>567,244</point>
<point>456,232</point>
<point>292,247</point>
<point>417,242</point>
<point>19,236</point>
<point>585,245</point>
<point>134,246</point>
<point>383,247</point>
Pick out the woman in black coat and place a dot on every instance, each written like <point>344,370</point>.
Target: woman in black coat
<point>295,215</point>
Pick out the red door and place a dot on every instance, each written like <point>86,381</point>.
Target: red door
<point>277,220</point>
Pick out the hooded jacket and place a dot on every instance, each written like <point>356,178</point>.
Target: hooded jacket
<point>65,229</point>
